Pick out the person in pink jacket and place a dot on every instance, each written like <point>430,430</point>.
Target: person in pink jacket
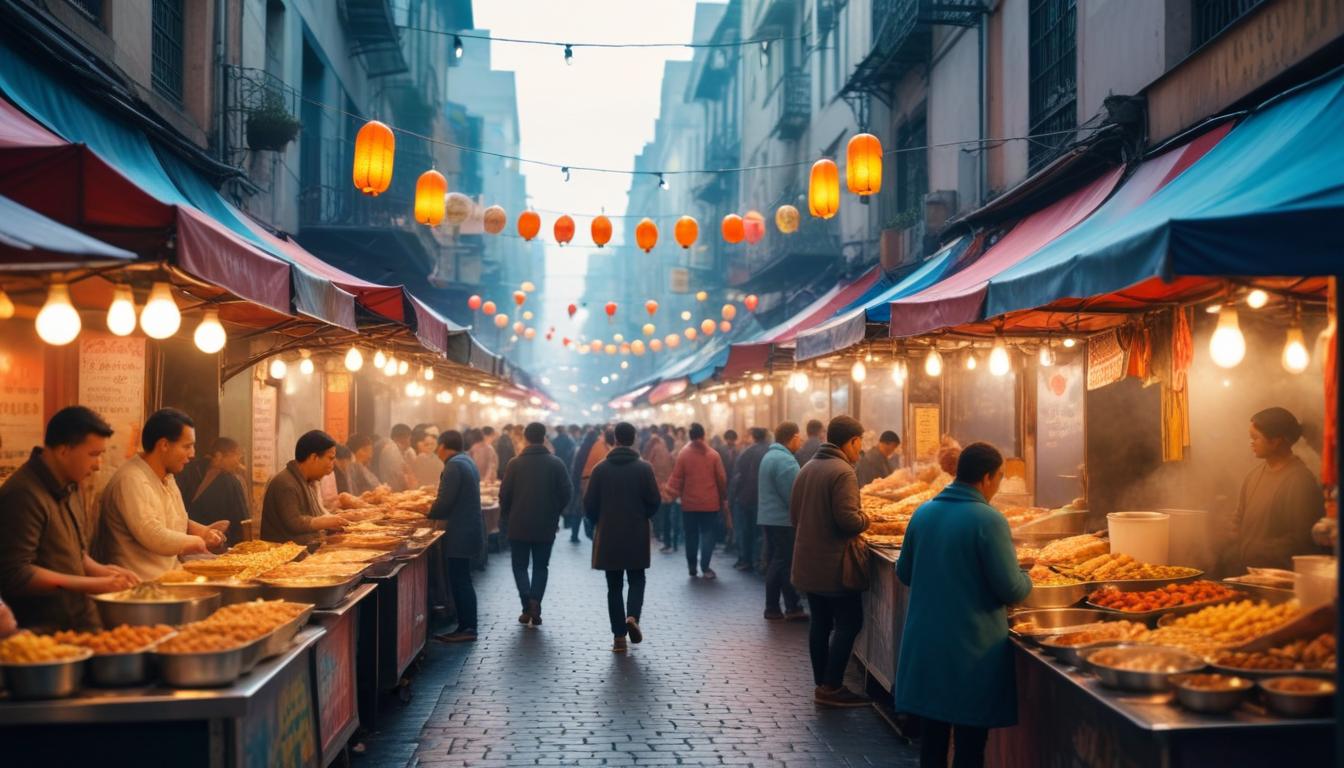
<point>699,479</point>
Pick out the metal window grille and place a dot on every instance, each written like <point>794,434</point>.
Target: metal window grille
<point>1054,82</point>
<point>91,8</point>
<point>166,48</point>
<point>912,166</point>
<point>1211,17</point>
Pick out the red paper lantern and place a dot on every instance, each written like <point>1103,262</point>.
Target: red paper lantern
<point>610,309</point>
<point>474,303</point>
<point>750,302</point>
<point>571,309</point>
<point>488,308</point>
<point>519,298</point>
<point>601,230</point>
<point>733,229</point>
<point>529,224</point>
<point>753,226</point>
<point>564,230</point>
<point>651,307</point>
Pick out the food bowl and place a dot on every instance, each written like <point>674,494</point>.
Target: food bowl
<point>1140,667</point>
<point>1211,694</point>
<point>1297,696</point>
<point>45,679</point>
<point>1053,621</point>
<point>1056,595</point>
<point>186,604</point>
<point>205,669</point>
<point>1074,654</point>
<point>118,670</point>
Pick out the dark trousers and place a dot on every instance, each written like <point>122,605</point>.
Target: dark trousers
<point>933,742</point>
<point>836,621</point>
<point>619,607</point>
<point>672,524</point>
<point>701,534</point>
<point>779,560</point>
<point>744,533</point>
<point>464,594</point>
<point>539,552</point>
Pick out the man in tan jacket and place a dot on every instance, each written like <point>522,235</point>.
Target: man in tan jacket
<point>826,514</point>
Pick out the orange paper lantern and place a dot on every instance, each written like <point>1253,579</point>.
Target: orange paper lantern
<point>728,312</point>
<point>753,226</point>
<point>430,190</point>
<point>648,329</point>
<point>651,307</point>
<point>564,230</point>
<point>493,219</point>
<point>751,302</point>
<point>474,303</point>
<point>501,321</point>
<point>529,224</point>
<point>686,231</point>
<point>637,347</point>
<point>823,192</point>
<point>690,334</point>
<point>707,327</point>
<point>488,308</point>
<point>733,228</point>
<point>646,234</point>
<point>672,341</point>
<point>596,345</point>
<point>375,145</point>
<point>786,219</point>
<point>656,345</point>
<point>610,309</point>
<point>519,297</point>
<point>725,326</point>
<point>601,229</point>
<point>863,165</point>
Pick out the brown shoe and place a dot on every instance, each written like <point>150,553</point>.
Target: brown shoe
<point>534,610</point>
<point>460,636</point>
<point>618,645</point>
<point>633,630</point>
<point>839,697</point>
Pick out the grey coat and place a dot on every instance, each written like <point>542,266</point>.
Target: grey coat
<point>825,511</point>
<point>536,489</point>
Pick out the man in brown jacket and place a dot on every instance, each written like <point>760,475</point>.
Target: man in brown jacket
<point>826,514</point>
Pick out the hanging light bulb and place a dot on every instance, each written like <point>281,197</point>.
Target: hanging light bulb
<point>1295,355</point>
<point>1070,343</point>
<point>999,362</point>
<point>160,318</point>
<point>379,360</point>
<point>58,323</point>
<point>305,362</point>
<point>402,367</point>
<point>755,390</point>
<point>742,393</point>
<point>278,369</point>
<point>429,374</point>
<point>1227,346</point>
<point>933,364</point>
<point>410,389</point>
<point>859,372</point>
<point>1257,299</point>
<point>354,360</point>
<point>6,306</point>
<point>1047,356</point>
<point>121,313</point>
<point>569,55</point>
<point>900,372</point>
<point>457,47</point>
<point>971,362</point>
<point>799,381</point>
<point>768,389</point>
<point>210,335</point>
<point>390,369</point>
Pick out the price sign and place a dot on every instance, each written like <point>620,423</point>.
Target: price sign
<point>928,430</point>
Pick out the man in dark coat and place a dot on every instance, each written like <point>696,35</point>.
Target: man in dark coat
<point>457,509</point>
<point>535,491</point>
<point>745,495</point>
<point>622,497</point>
<point>505,448</point>
<point>564,446</point>
<point>574,517</point>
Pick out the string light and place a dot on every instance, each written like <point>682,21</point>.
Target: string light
<point>859,372</point>
<point>306,362</point>
<point>799,381</point>
<point>58,323</point>
<point>6,306</point>
<point>999,362</point>
<point>900,372</point>
<point>354,360</point>
<point>278,369</point>
<point>933,364</point>
<point>210,336</point>
<point>565,170</point>
<point>1295,355</point>
<point>1257,299</point>
<point>569,54</point>
<point>121,313</point>
<point>1227,346</point>
<point>1070,343</point>
<point>1047,356</point>
<point>457,47</point>
<point>662,183</point>
<point>160,318</point>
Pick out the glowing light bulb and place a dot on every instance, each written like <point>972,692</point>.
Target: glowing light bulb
<point>410,389</point>
<point>210,336</point>
<point>768,389</point>
<point>900,372</point>
<point>859,372</point>
<point>742,393</point>
<point>971,362</point>
<point>6,306</point>
<point>1070,343</point>
<point>305,363</point>
<point>1227,346</point>
<point>799,381</point>
<point>999,362</point>
<point>121,313</point>
<point>429,374</point>
<point>1257,299</point>
<point>933,364</point>
<point>354,360</point>
<point>755,390</point>
<point>379,360</point>
<point>58,323</point>
<point>160,318</point>
<point>1295,355</point>
<point>278,369</point>
<point>402,367</point>
<point>1047,356</point>
<point>390,369</point>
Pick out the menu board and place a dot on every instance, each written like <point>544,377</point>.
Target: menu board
<point>1059,433</point>
<point>21,404</point>
<point>263,432</point>
<point>928,430</point>
<point>336,409</point>
<point>112,383</point>
<point>1105,360</point>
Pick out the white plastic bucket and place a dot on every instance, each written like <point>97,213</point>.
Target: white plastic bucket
<point>1190,541</point>
<point>1144,536</point>
<point>1317,580</point>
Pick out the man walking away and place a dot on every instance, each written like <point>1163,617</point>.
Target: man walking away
<point>564,447</point>
<point>660,459</point>
<point>505,450</point>
<point>745,497</point>
<point>880,460</point>
<point>457,509</point>
<point>824,508</point>
<point>699,480</point>
<point>956,665</point>
<point>811,444</point>
<point>535,491</point>
<point>622,496</point>
<point>778,471</point>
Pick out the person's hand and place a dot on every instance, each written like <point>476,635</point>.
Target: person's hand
<point>330,522</point>
<point>213,537</point>
<point>115,582</point>
<point>127,572</point>
<point>8,624</point>
<point>195,545</point>
<point>220,525</point>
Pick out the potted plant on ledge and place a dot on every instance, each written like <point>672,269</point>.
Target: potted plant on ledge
<point>270,126</point>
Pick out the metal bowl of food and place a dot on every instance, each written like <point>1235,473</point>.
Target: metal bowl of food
<point>45,679</point>
<point>203,669</point>
<point>1042,622</point>
<point>118,670</point>
<point>1297,696</point>
<point>322,591</point>
<point>1073,653</point>
<point>152,603</point>
<point>1055,595</point>
<point>1213,694</point>
<point>1140,667</point>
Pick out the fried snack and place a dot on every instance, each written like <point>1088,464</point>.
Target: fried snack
<point>245,560</point>
<point>886,529</point>
<point>1113,567</point>
<point>1042,576</point>
<point>1299,655</point>
<point>352,555</point>
<point>1110,630</point>
<point>883,540</point>
<point>1232,624</point>
<point>1156,660</point>
<point>27,648</point>
<point>1170,596</point>
<point>123,639</point>
<point>1190,640</point>
<point>310,570</point>
<point>1019,516</point>
<point>1027,555</point>
<point>232,626</point>
<point>1074,549</point>
<point>348,501</point>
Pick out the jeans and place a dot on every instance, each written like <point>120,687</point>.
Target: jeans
<point>779,559</point>
<point>933,741</point>
<point>464,594</point>
<point>617,607</point>
<point>672,522</point>
<point>836,621</point>
<point>540,555</point>
<point>701,532</point>
<point>744,533</point>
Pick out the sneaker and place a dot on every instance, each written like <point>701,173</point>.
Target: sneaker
<point>774,616</point>
<point>632,628</point>
<point>797,614</point>
<point>534,610</point>
<point>460,636</point>
<point>839,697</point>
<point>710,574</point>
<point>618,645</point>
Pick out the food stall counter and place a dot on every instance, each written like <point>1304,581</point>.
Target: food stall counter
<point>884,607</point>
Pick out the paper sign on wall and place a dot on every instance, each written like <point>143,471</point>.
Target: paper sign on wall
<point>21,422</point>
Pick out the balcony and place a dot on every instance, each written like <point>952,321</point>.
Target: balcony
<point>795,107</point>
<point>723,151</point>
<point>903,38</point>
<point>374,36</point>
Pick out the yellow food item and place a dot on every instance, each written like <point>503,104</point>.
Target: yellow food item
<point>232,626</point>
<point>1111,630</point>
<point>1155,660</point>
<point>1042,576</point>
<point>332,556</point>
<point>1317,653</point>
<point>1074,549</point>
<point>1113,567</point>
<point>1235,623</point>
<point>1190,640</point>
<point>123,639</point>
<point>27,648</point>
<point>246,560</point>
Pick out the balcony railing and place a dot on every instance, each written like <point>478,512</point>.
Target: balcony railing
<point>903,37</point>
<point>374,36</point>
<point>245,91</point>
<point>1211,17</point>
<point>795,108</point>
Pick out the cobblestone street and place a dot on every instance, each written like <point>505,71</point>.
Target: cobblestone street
<point>712,683</point>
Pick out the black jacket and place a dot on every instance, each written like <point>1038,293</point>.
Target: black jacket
<point>458,508</point>
<point>746,473</point>
<point>622,495</point>
<point>535,491</point>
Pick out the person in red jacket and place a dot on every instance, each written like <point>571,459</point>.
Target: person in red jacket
<point>699,479</point>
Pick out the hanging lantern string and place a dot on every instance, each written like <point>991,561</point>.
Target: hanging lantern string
<point>476,35</point>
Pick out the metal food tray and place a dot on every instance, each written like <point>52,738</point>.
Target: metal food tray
<point>194,602</point>
<point>1271,598</point>
<point>1261,674</point>
<point>1150,617</point>
<point>119,670</point>
<point>323,596</point>
<point>1055,595</point>
<point>204,669</point>
<point>45,679</point>
<point>1055,618</point>
<point>1140,680</point>
<point>277,640</point>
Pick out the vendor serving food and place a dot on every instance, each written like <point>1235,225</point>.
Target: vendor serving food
<point>291,509</point>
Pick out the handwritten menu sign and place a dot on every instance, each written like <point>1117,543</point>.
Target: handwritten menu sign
<point>112,382</point>
<point>928,428</point>
<point>336,410</point>
<point>1059,432</point>
<point>263,432</point>
<point>21,422</point>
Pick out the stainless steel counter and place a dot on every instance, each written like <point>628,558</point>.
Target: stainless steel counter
<point>884,606</point>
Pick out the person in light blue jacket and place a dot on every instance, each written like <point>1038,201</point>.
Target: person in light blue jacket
<point>774,484</point>
<point>956,663</point>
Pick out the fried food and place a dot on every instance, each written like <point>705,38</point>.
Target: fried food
<point>123,639</point>
<point>1189,640</point>
<point>1019,516</point>
<point>1153,660</point>
<point>1315,654</point>
<point>1170,596</point>
<point>27,648</point>
<point>1112,567</point>
<point>1074,549</point>
<point>309,570</point>
<point>245,560</point>
<point>328,555</point>
<point>232,626</point>
<point>1042,576</point>
<point>1232,624</point>
<point>1110,630</point>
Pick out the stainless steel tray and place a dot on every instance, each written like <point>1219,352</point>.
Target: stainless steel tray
<point>206,669</point>
<point>1055,596</point>
<point>327,596</point>
<point>277,641</point>
<point>1055,618</point>
<point>1138,680</point>
<point>45,680</point>
<point>1151,617</point>
<point>193,604</point>
<point>1261,674</point>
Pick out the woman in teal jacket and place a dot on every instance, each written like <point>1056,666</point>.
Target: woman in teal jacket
<point>956,666</point>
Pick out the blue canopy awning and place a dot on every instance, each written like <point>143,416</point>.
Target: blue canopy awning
<point>1265,201</point>
<point>31,241</point>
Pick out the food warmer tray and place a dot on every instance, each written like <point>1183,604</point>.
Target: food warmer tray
<point>1151,617</point>
<point>120,670</point>
<point>1261,674</point>
<point>205,669</point>
<point>277,641</point>
<point>323,596</point>
<point>45,679</point>
<point>1062,619</point>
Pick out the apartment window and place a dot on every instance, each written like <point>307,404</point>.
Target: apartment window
<point>166,51</point>
<point>1211,17</point>
<point>1054,83</point>
<point>912,167</point>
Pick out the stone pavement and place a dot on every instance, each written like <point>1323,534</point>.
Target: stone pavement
<point>712,683</point>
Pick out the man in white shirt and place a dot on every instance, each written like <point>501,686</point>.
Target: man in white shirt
<point>144,525</point>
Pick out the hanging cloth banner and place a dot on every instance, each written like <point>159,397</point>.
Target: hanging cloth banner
<point>1105,360</point>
